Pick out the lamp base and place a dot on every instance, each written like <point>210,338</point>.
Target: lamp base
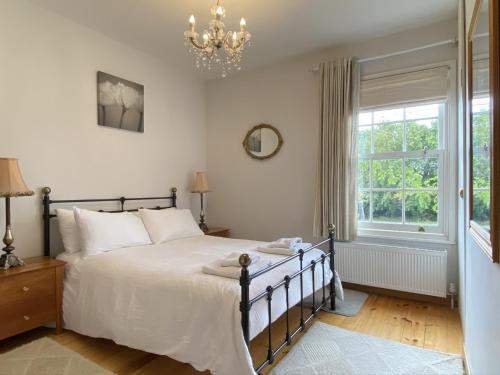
<point>10,260</point>
<point>203,227</point>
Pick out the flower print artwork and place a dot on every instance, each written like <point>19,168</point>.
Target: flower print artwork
<point>120,103</point>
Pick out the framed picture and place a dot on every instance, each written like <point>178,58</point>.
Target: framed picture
<point>120,103</point>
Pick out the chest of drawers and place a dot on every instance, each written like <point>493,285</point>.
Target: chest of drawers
<point>31,296</point>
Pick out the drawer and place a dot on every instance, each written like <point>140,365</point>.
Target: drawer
<point>23,288</point>
<point>22,318</point>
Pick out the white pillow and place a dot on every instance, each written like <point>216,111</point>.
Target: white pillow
<point>167,225</point>
<point>69,230</point>
<point>101,231</point>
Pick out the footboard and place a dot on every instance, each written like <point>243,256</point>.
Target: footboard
<point>246,303</point>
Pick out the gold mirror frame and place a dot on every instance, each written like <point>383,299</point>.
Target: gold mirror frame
<point>257,127</point>
<point>488,242</point>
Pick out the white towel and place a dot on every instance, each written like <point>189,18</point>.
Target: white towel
<point>233,260</point>
<point>216,269</point>
<point>286,243</point>
<point>284,250</point>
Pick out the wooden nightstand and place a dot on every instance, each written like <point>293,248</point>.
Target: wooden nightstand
<point>31,296</point>
<point>218,232</point>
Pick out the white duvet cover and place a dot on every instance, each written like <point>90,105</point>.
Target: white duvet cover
<point>155,298</point>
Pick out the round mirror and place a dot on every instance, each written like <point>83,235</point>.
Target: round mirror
<point>262,141</point>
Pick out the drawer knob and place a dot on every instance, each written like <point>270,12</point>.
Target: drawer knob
<point>26,317</point>
<point>25,289</point>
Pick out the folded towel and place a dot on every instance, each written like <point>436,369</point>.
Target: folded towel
<point>283,250</point>
<point>233,260</point>
<point>286,243</point>
<point>216,269</point>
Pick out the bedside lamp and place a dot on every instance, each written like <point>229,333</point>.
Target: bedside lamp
<point>11,185</point>
<point>201,186</point>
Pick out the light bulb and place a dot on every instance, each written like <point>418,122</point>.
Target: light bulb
<point>205,37</point>
<point>219,11</point>
<point>192,21</point>
<point>235,37</point>
<point>243,24</point>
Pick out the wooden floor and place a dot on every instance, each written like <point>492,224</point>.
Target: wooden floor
<point>425,325</point>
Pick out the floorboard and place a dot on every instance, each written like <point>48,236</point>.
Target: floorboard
<point>426,325</point>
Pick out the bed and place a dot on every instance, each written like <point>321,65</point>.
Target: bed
<point>156,299</point>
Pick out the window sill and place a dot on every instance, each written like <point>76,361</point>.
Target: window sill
<point>387,236</point>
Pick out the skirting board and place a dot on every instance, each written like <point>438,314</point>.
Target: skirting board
<point>466,363</point>
<point>397,293</point>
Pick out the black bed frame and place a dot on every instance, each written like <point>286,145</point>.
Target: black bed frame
<point>245,278</point>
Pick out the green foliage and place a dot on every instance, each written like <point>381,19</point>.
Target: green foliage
<point>422,134</point>
<point>421,207</point>
<point>387,207</point>
<point>388,137</point>
<point>421,173</point>
<point>387,173</point>
<point>481,168</point>
<point>365,140</point>
<point>364,173</point>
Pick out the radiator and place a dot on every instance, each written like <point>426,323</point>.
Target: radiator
<point>392,267</point>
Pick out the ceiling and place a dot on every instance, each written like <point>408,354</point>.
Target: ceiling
<point>280,28</point>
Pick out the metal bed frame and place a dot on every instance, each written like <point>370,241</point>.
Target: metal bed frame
<point>246,278</point>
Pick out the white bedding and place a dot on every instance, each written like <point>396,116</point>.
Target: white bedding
<point>155,298</point>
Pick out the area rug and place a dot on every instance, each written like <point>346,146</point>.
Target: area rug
<point>350,306</point>
<point>328,350</point>
<point>46,357</point>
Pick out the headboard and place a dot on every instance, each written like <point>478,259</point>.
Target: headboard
<point>47,215</point>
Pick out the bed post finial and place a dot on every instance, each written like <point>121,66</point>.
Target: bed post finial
<point>331,229</point>
<point>174,196</point>
<point>245,280</point>
<point>46,220</point>
<point>331,252</point>
<point>245,260</point>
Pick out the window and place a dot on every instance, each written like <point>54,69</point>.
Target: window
<point>400,168</point>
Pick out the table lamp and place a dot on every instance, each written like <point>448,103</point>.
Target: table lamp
<point>11,185</point>
<point>201,186</point>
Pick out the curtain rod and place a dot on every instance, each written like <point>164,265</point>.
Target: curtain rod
<point>403,52</point>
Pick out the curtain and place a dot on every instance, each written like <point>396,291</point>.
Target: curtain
<point>336,192</point>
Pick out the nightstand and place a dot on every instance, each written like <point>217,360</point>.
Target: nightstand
<point>218,232</point>
<point>31,296</point>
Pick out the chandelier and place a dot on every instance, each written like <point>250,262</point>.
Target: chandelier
<point>217,47</point>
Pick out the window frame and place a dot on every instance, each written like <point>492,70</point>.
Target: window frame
<point>444,231</point>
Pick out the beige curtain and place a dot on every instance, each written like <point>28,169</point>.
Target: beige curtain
<point>336,193</point>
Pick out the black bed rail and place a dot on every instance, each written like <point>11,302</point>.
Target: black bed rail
<point>247,302</point>
<point>47,215</point>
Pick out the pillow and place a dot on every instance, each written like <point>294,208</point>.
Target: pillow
<point>100,231</point>
<point>167,225</point>
<point>69,230</point>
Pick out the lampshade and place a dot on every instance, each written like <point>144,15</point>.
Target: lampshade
<point>201,184</point>
<point>11,180</point>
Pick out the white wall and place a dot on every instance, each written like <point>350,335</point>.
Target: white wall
<point>49,118</point>
<point>274,198</point>
<point>482,304</point>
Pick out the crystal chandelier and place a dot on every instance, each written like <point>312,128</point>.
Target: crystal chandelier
<point>215,40</point>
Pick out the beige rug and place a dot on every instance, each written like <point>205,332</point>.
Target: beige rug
<point>329,350</point>
<point>47,357</point>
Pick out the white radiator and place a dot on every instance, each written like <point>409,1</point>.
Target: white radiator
<point>391,267</point>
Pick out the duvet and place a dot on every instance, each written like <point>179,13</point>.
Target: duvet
<point>156,299</point>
